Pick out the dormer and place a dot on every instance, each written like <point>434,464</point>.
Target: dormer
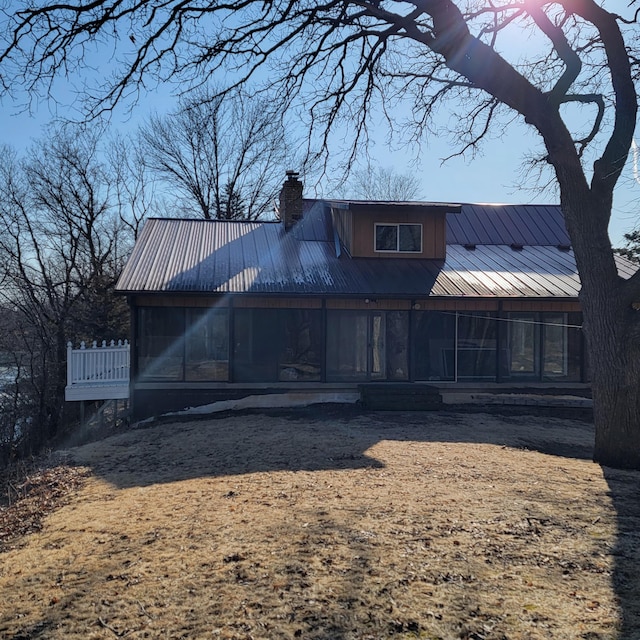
<point>372,229</point>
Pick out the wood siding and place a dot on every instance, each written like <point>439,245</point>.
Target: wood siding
<point>256,302</point>
<point>433,234</point>
<point>343,224</point>
<point>357,232</point>
<point>355,304</point>
<point>180,301</point>
<point>253,302</point>
<point>535,305</point>
<point>480,304</point>
<point>477,304</point>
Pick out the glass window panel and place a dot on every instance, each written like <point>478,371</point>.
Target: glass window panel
<point>160,343</point>
<point>257,340</point>
<point>562,347</point>
<point>397,345</point>
<point>386,237</point>
<point>575,346</point>
<point>523,329</point>
<point>555,346</point>
<point>434,334</point>
<point>207,344</point>
<point>300,357</point>
<point>365,345</point>
<point>347,344</point>
<point>477,344</point>
<point>410,237</point>
<point>378,346</point>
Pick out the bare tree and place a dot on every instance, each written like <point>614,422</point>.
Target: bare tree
<point>61,249</point>
<point>339,58</point>
<point>134,187</point>
<point>381,183</point>
<point>215,149</point>
<point>14,402</point>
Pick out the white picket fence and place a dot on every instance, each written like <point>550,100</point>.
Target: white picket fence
<point>99,372</point>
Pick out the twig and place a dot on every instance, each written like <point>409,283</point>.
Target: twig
<point>11,488</point>
<point>144,611</point>
<point>118,634</point>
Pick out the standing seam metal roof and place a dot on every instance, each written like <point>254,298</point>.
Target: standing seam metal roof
<point>204,256</point>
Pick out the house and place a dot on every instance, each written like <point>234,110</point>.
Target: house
<point>341,292</point>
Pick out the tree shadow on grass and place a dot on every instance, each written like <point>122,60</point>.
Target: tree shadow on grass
<point>341,438</point>
<point>321,437</point>
<point>624,490</point>
<point>111,594</point>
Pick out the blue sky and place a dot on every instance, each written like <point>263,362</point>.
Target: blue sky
<point>492,176</point>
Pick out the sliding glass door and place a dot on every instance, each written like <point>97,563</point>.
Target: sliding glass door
<point>367,345</point>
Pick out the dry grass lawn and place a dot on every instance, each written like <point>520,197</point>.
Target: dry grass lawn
<point>333,524</point>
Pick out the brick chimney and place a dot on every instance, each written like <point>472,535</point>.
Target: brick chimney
<point>291,200</point>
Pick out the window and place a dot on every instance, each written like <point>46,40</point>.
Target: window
<point>301,346</point>
<point>257,342</point>
<point>404,238</point>
<point>561,346</point>
<point>277,345</point>
<point>347,344</point>
<point>524,344</point>
<point>207,344</point>
<point>541,346</point>
<point>160,350</point>
<point>178,344</point>
<point>434,340</point>
<point>367,345</point>
<point>477,345</point>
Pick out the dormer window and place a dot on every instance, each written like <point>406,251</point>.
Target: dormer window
<point>398,238</point>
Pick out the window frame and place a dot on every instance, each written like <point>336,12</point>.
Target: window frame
<point>176,344</point>
<point>397,226</point>
<point>193,324</point>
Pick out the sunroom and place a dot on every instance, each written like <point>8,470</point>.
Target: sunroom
<point>340,293</point>
<point>240,345</point>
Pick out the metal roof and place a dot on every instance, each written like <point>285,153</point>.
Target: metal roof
<point>525,224</point>
<point>205,256</point>
<point>392,206</point>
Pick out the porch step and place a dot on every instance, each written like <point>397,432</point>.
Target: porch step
<point>399,397</point>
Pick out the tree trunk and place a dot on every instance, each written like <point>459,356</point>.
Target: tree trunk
<point>56,407</point>
<point>617,420</point>
<point>614,354</point>
<point>611,326</point>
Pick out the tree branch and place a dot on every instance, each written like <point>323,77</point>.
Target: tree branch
<point>573,64</point>
<point>608,168</point>
<point>593,98</point>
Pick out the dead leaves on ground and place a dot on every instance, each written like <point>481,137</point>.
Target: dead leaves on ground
<point>437,534</point>
<point>31,492</point>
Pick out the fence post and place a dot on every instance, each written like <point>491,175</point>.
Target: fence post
<point>69,364</point>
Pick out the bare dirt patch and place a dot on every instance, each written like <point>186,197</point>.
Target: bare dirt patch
<point>335,524</point>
